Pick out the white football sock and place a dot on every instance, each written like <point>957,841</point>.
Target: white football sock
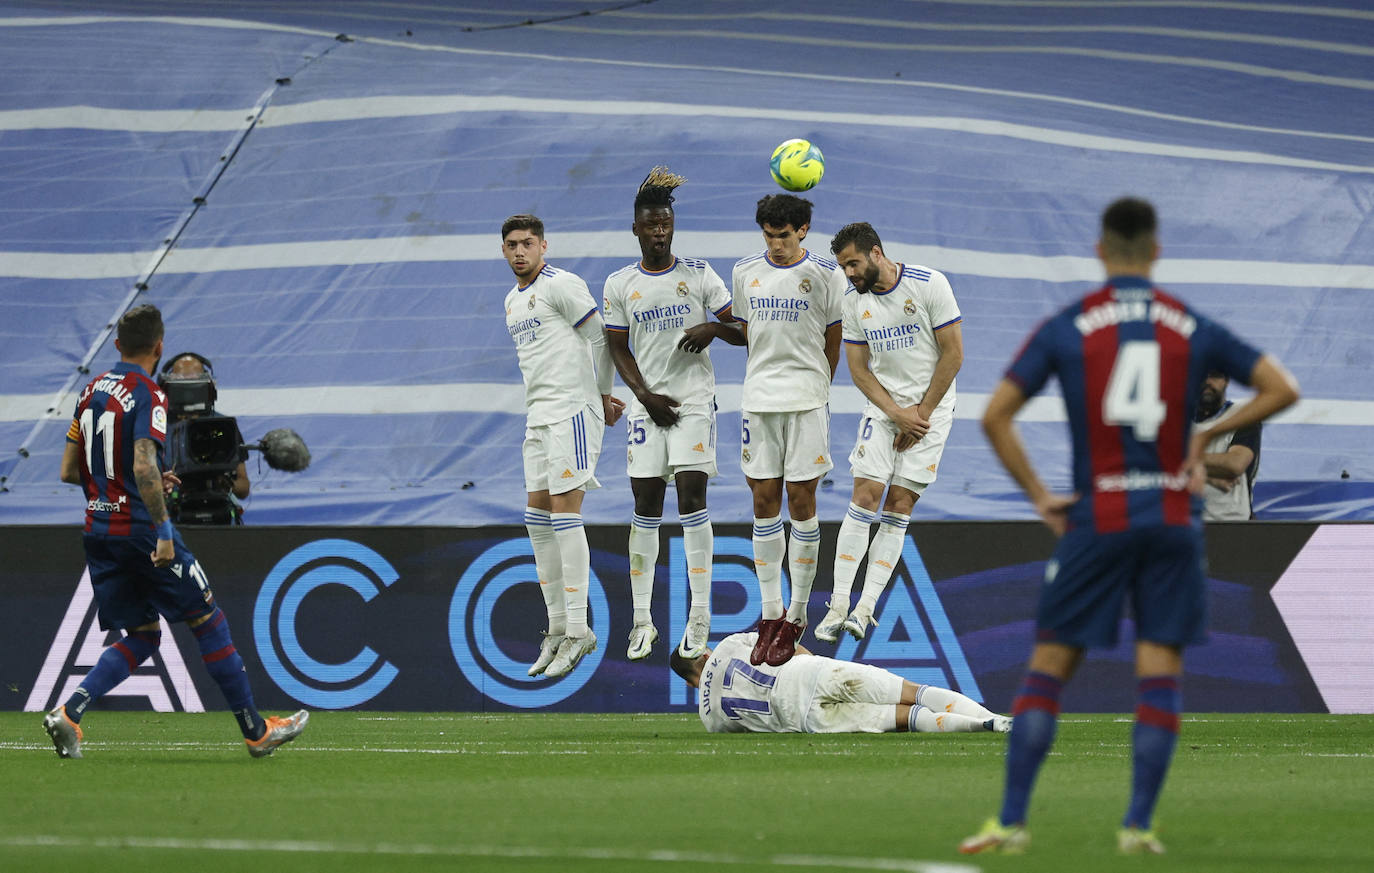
<point>643,561</point>
<point>883,554</point>
<point>943,700</point>
<point>922,720</point>
<point>699,544</point>
<point>849,551</point>
<point>802,553</point>
<point>548,563</point>
<point>577,564</point>
<point>769,547</point>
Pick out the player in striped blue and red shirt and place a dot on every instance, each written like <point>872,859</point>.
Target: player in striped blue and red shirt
<point>139,566</point>
<point>1130,360</point>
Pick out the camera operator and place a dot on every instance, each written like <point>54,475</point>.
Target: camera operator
<point>189,381</point>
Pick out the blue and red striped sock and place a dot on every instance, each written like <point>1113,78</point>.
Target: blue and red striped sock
<point>113,667</point>
<point>225,666</point>
<point>1158,704</point>
<point>1036,716</point>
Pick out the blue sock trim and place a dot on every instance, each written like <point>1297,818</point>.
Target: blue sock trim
<point>861,515</point>
<point>565,521</point>
<point>537,517</point>
<point>893,519</point>
<point>767,527</point>
<point>695,519</point>
<point>645,521</point>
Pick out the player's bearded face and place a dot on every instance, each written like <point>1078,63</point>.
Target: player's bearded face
<point>863,274</point>
<point>1213,390</point>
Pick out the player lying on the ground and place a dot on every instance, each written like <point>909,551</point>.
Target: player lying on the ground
<point>820,695</point>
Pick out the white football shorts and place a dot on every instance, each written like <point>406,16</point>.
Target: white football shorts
<point>561,457</point>
<point>874,457</point>
<point>786,445</point>
<point>663,452</point>
<point>853,698</point>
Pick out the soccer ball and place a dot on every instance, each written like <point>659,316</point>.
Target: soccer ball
<point>797,165</point>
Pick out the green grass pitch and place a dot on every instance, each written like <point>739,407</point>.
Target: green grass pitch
<point>613,793</point>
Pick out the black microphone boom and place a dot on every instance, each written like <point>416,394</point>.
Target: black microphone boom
<point>284,449</point>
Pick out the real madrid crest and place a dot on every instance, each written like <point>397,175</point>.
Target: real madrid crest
<point>682,289</point>
<point>531,301</point>
<point>909,308</point>
<point>859,451</point>
<point>744,454</point>
<point>804,286</point>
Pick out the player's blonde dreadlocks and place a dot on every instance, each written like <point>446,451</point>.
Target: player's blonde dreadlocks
<point>656,191</point>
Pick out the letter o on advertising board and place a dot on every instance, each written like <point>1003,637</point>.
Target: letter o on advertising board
<point>492,671</point>
<point>313,682</point>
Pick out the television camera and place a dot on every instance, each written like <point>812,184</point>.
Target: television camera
<point>204,450</point>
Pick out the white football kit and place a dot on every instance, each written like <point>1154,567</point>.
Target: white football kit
<point>654,308</point>
<point>899,327</point>
<point>785,427</point>
<point>808,694</point>
<point>564,421</point>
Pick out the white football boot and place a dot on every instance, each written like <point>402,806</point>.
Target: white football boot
<point>642,639</point>
<point>859,620</point>
<point>828,631</point>
<point>570,651</point>
<point>548,647</point>
<point>695,637</point>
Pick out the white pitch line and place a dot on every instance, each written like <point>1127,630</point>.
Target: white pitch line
<point>325,847</point>
<point>735,749</point>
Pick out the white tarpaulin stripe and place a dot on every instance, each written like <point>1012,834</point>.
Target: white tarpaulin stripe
<point>361,108</point>
<point>488,397</point>
<point>389,107</point>
<point>729,245</point>
<point>1230,5</point>
<point>183,21</point>
<point>1016,28</point>
<point>1057,51</point>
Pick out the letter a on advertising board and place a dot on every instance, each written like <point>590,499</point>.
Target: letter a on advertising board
<point>162,680</point>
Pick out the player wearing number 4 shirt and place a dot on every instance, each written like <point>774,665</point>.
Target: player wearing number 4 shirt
<point>789,299</point>
<point>818,695</point>
<point>661,306</point>
<point>1130,360</point>
<point>904,343</point>
<point>558,337</point>
<point>139,567</point>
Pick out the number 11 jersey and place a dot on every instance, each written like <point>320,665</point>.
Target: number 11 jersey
<point>115,410</point>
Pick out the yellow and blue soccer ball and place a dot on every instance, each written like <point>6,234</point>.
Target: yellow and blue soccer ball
<point>797,165</point>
